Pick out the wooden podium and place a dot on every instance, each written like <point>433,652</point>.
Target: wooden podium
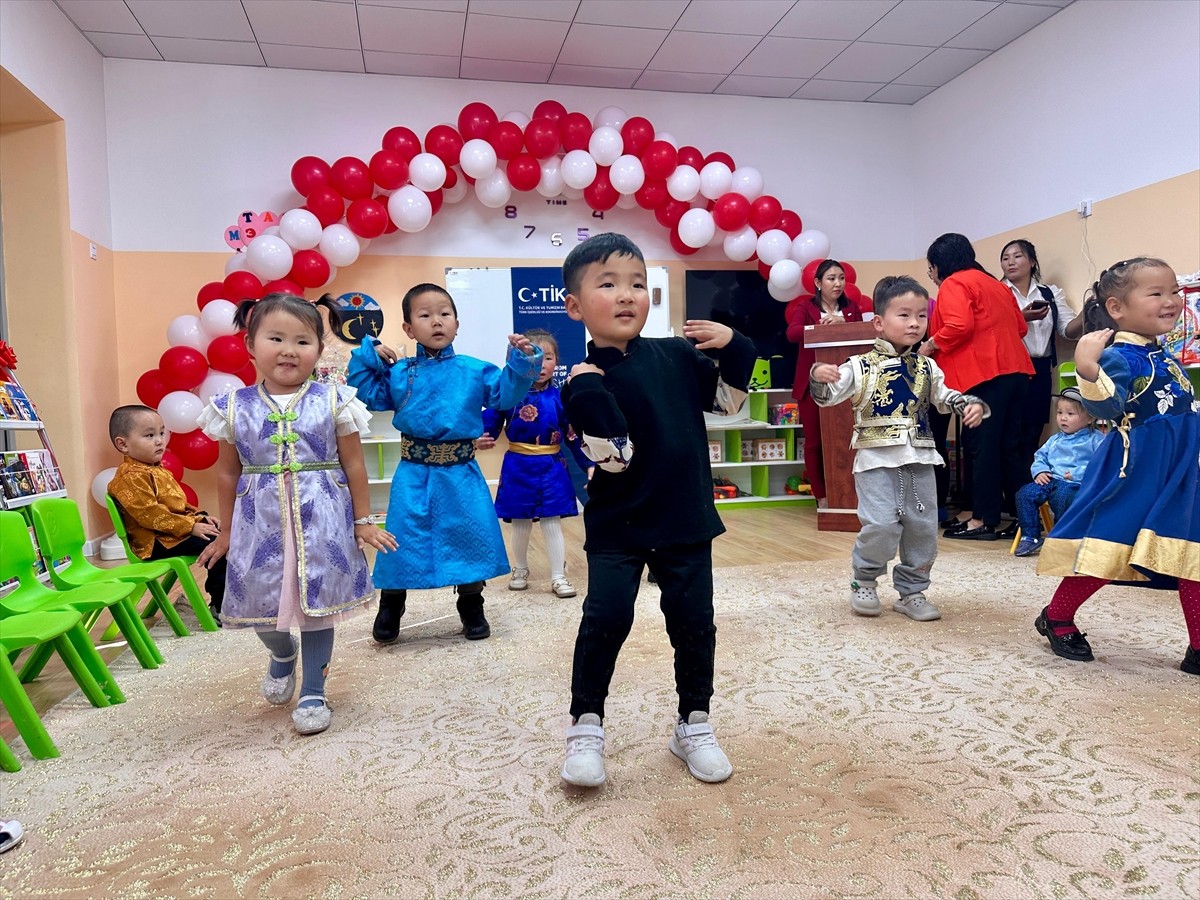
<point>835,344</point>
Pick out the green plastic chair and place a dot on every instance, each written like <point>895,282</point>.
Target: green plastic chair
<point>61,630</point>
<point>31,595</point>
<point>181,570</point>
<point>8,759</point>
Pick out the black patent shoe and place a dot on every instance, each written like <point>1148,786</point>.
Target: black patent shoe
<point>475,623</point>
<point>957,527</point>
<point>982,533</point>
<point>1191,661</point>
<point>387,621</point>
<point>1073,646</point>
<point>1010,531</point>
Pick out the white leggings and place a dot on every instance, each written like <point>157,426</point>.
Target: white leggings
<point>555,549</point>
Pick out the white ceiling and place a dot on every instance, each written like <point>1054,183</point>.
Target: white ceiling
<point>882,51</point>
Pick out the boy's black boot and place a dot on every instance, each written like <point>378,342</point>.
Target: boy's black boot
<point>387,620</point>
<point>470,610</point>
<point>1191,661</point>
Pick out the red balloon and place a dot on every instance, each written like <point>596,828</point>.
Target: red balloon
<point>451,178</point>
<point>638,134</point>
<point>690,156</point>
<point>765,213</point>
<point>390,227</point>
<point>182,368</point>
<point>227,353</point>
<point>679,246</point>
<point>764,270</point>
<point>152,387</point>
<point>248,374</point>
<point>652,194</point>
<point>403,140</point>
<point>326,204</point>
<point>351,178</point>
<point>576,130</point>
<point>550,109</point>
<point>507,138</point>
<point>600,195</point>
<point>309,269</point>
<point>366,217</point>
<point>524,172</point>
<point>189,494</point>
<point>196,450</point>
<point>172,464</point>
<point>808,276</point>
<point>720,157</point>
<point>389,169</point>
<point>851,275</point>
<point>283,286</point>
<point>669,214</point>
<point>445,143</point>
<point>731,211</point>
<point>790,224</point>
<point>435,199</point>
<point>242,285</point>
<point>214,290</point>
<point>475,120</point>
<point>541,138</point>
<point>853,293</point>
<point>308,174</point>
<point>659,160</point>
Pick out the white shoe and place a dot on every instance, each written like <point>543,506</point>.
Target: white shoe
<point>278,691</point>
<point>312,719</point>
<point>917,607</point>
<point>584,765</point>
<point>696,744</point>
<point>864,600</point>
<point>11,834</point>
<point>519,580</point>
<point>562,588</point>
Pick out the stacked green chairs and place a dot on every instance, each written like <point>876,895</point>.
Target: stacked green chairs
<point>60,630</point>
<point>31,595</point>
<point>180,570</point>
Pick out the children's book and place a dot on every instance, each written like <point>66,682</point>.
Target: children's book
<point>20,402</point>
<point>15,477</point>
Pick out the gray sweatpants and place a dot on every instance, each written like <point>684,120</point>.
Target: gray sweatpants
<point>896,508</point>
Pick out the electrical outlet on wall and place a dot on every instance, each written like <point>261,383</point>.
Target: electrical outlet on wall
<point>92,251</point>
<point>1084,209</point>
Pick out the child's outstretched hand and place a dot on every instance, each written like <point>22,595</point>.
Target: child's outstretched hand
<point>583,368</point>
<point>972,415</point>
<point>485,442</point>
<point>825,373</point>
<point>1088,350</point>
<point>711,335</point>
<point>386,353</point>
<point>381,540</point>
<point>521,342</point>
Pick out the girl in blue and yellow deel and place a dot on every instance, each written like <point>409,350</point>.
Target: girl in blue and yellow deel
<point>1137,517</point>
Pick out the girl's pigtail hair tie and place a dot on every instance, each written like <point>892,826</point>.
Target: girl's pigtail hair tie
<point>335,315</point>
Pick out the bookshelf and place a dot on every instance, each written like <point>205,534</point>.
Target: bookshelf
<point>761,482</point>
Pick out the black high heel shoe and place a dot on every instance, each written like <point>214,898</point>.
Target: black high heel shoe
<point>1073,646</point>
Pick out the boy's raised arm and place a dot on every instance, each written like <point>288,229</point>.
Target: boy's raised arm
<point>371,377</point>
<point>593,413</point>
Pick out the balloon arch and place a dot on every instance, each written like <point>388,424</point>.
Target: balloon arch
<point>611,160</point>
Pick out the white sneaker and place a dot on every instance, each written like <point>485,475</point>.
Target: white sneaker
<point>584,765</point>
<point>562,588</point>
<point>696,744</point>
<point>519,580</point>
<point>917,607</point>
<point>864,600</point>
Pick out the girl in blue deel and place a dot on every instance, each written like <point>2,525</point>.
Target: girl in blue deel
<point>1137,517</point>
<point>439,508</point>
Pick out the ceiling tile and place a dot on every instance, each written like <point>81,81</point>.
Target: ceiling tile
<point>381,63</point>
<point>759,86</point>
<point>610,46</point>
<point>694,51</point>
<point>505,70</point>
<point>226,53</point>
<point>873,62</point>
<point>521,40</point>
<point>321,59</point>
<point>304,23</point>
<point>900,93</point>
<point>927,23</point>
<point>437,5</point>
<point>790,57</point>
<point>594,76</point>
<point>123,46</point>
<point>659,14</point>
<point>1002,25</point>
<point>832,19</point>
<point>816,89</point>
<point>681,82</point>
<point>112,16</point>
<point>553,10</point>
<point>425,32</point>
<point>214,20</point>
<point>941,66</point>
<point>744,17</point>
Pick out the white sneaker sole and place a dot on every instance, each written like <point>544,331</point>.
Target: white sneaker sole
<point>696,773</point>
<point>582,782</point>
<point>928,616</point>
<point>866,610</point>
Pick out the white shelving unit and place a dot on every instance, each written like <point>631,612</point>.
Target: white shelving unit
<point>763,482</point>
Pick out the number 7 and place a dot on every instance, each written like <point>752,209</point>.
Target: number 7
<point>530,229</point>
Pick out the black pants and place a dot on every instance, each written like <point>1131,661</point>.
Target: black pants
<point>1035,411</point>
<point>214,583</point>
<point>684,576</point>
<point>994,446</point>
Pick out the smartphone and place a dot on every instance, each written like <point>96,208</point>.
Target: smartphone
<point>1038,304</point>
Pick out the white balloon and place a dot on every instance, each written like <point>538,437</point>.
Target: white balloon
<point>332,275</point>
<point>100,484</point>
<point>696,228</point>
<point>627,174</point>
<point>273,231</point>
<point>179,411</point>
<point>783,295</point>
<point>773,246</point>
<point>627,201</point>
<point>270,257</point>
<point>740,245</point>
<point>478,158</point>
<point>236,263</point>
<point>715,179</point>
<point>551,182</point>
<point>426,172</point>
<point>571,193</point>
<point>809,245</point>
<point>301,229</point>
<point>785,274</point>
<point>409,208</point>
<point>518,117</point>
<point>718,237</point>
<point>605,145</point>
<point>363,243</point>
<point>578,169</point>
<point>668,137</point>
<point>216,383</point>
<point>683,183</point>
<point>610,116</point>
<point>184,331</point>
<point>493,191</point>
<point>216,319</point>
<point>748,182</point>
<point>456,193</point>
<point>339,246</point>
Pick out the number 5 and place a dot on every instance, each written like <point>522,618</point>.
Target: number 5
<point>582,233</point>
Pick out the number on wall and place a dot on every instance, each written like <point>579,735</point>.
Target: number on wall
<point>510,212</point>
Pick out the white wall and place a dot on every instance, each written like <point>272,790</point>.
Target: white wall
<point>1100,99</point>
<point>191,146</point>
<point>42,49</point>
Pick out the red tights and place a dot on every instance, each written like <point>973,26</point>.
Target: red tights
<point>1075,590</point>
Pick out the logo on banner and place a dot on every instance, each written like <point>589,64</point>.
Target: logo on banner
<point>539,300</point>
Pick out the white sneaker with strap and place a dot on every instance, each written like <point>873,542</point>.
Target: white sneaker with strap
<point>584,765</point>
<point>696,744</point>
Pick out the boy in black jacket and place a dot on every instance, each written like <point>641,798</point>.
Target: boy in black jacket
<point>638,404</point>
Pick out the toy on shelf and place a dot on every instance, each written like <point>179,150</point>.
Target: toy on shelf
<point>784,414</point>
<point>770,449</point>
<point>796,485</point>
<point>724,489</point>
<point>715,452</point>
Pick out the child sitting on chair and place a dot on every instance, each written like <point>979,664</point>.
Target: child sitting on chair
<point>158,519</point>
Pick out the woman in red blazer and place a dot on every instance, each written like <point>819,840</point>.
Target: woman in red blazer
<point>975,337</point>
<point>829,305</point>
